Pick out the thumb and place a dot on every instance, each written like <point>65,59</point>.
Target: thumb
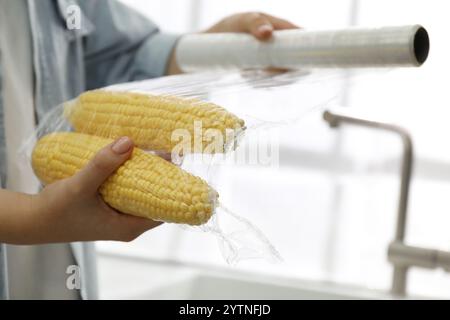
<point>105,162</point>
<point>259,26</point>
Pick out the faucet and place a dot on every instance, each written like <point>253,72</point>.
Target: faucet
<point>401,255</point>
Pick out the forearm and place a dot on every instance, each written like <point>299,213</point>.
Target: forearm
<point>16,210</point>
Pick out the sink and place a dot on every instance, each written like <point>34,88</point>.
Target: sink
<point>226,287</point>
<point>127,278</point>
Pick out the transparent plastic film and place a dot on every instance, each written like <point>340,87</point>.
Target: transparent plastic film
<point>200,124</point>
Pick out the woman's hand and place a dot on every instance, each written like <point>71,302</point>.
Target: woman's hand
<point>260,25</point>
<point>72,209</point>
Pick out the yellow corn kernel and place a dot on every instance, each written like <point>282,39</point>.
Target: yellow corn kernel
<point>145,185</point>
<point>150,120</point>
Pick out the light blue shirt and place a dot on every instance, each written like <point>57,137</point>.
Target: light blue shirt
<point>113,44</point>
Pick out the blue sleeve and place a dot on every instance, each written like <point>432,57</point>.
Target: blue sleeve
<point>123,45</point>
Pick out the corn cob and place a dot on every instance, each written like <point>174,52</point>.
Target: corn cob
<point>145,185</point>
<point>150,120</point>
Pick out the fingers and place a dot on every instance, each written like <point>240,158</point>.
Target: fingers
<point>127,228</point>
<point>262,25</point>
<point>107,160</point>
<point>258,25</point>
<point>280,24</point>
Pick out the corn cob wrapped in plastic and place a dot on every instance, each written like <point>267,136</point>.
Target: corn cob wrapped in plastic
<point>145,185</point>
<point>151,120</point>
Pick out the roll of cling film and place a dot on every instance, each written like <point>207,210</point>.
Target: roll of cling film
<point>405,46</point>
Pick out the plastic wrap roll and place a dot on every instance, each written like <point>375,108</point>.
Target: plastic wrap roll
<point>405,46</point>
